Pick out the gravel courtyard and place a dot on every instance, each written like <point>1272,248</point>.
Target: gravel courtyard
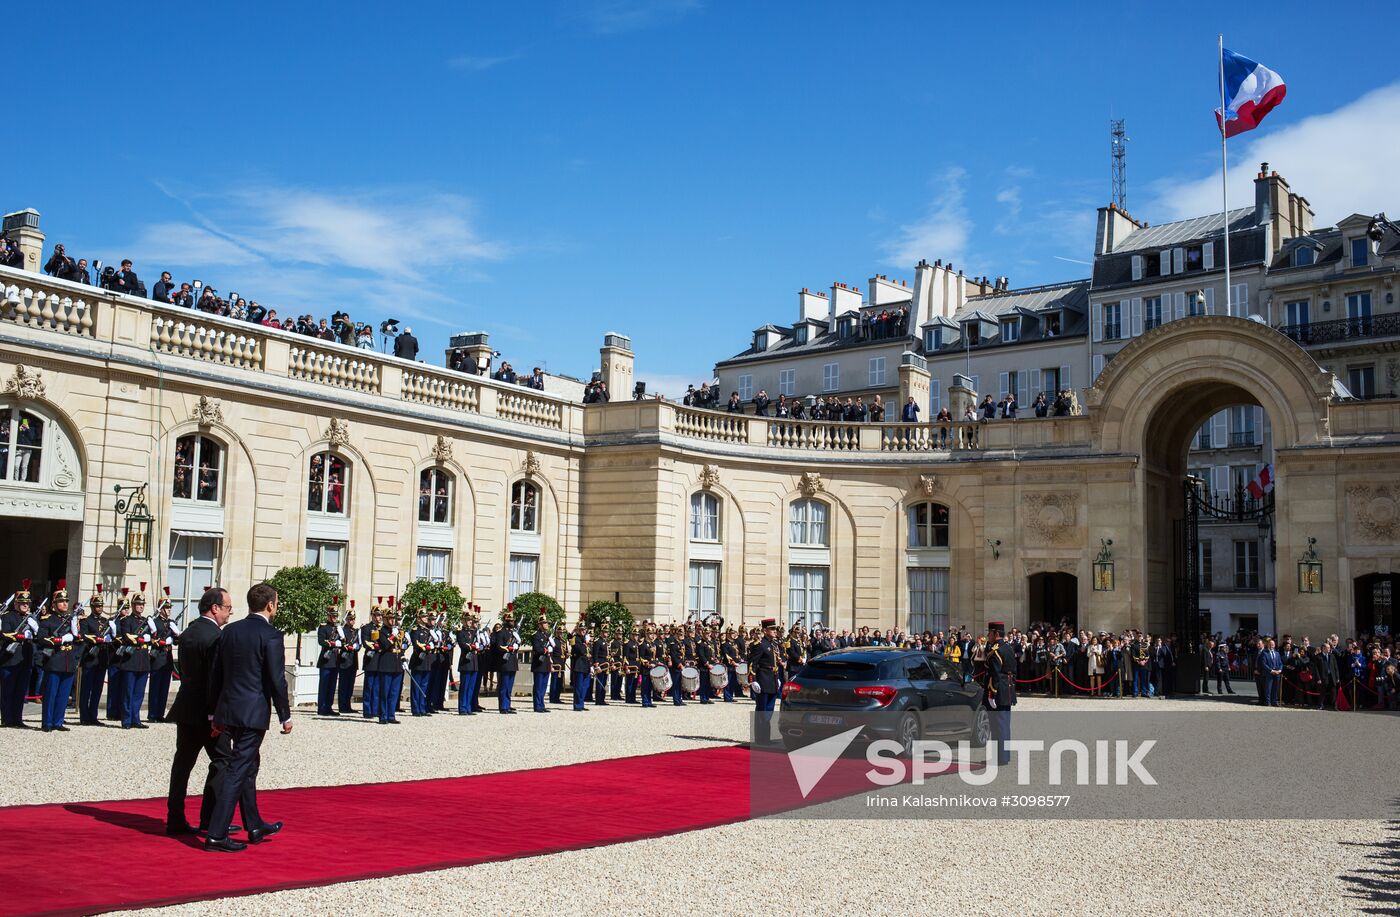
<point>784,866</point>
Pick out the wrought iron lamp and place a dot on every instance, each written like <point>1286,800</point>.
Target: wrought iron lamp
<point>139,521</point>
<point>1103,566</point>
<point>1310,570</point>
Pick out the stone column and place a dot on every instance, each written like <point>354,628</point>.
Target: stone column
<point>476,345</point>
<point>960,395</point>
<point>913,381</point>
<point>22,228</point>
<point>616,365</point>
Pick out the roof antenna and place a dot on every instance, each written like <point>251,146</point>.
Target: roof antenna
<point>1119,151</point>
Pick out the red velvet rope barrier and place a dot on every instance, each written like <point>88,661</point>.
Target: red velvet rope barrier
<point>1082,688</point>
<point>1303,689</point>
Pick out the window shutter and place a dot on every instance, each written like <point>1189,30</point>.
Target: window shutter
<point>1258,424</point>
<point>1001,380</point>
<point>1137,267</point>
<point>1064,378</point>
<point>1178,260</point>
<point>1164,262</point>
<point>1180,303</point>
<point>1219,427</point>
<point>1135,316</point>
<point>1098,366</point>
<point>1220,480</point>
<point>1023,382</point>
<point>935,396</point>
<point>1210,300</point>
<point>1098,322</point>
<point>1208,256</point>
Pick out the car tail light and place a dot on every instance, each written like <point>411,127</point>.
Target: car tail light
<point>790,687</point>
<point>883,694</point>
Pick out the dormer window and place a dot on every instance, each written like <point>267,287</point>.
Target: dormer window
<point>933,339</point>
<point>843,328</point>
<point>801,334</point>
<point>1360,251</point>
<point>974,334</point>
<point>760,341</point>
<point>1303,255</point>
<point>1010,331</point>
<point>1051,324</point>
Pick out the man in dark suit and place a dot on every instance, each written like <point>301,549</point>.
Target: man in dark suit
<point>1001,689</point>
<point>192,712</point>
<point>246,681</point>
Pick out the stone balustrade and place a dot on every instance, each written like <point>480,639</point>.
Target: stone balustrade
<point>442,390</point>
<point>188,337</point>
<point>712,425</point>
<point>52,310</point>
<point>318,365</point>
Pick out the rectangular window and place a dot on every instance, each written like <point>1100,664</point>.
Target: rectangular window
<point>1242,432</point>
<point>928,600</point>
<point>933,339</point>
<point>1194,259</point>
<point>877,370</point>
<point>1151,312</point>
<point>1204,560</point>
<point>1050,381</point>
<point>1112,321</point>
<point>1303,256</point>
<point>1246,565</point>
<point>787,381</point>
<point>1240,476</point>
<point>1239,300</point>
<point>1010,331</point>
<point>1203,436</point>
<point>329,556</point>
<point>524,573</point>
<point>807,523</point>
<point>928,525</point>
<point>702,596</point>
<point>843,329</point>
<point>194,564</point>
<point>1298,313</point>
<point>1359,313</point>
<point>831,377</point>
<point>807,596</point>
<point>799,334</point>
<point>746,388</point>
<point>434,564</point>
<point>973,332</point>
<point>1360,252</point>
<point>1361,380</point>
<point>704,517</point>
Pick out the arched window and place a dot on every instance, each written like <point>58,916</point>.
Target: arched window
<point>435,496</point>
<point>928,525</point>
<point>807,523</point>
<point>704,517</point>
<point>198,469</point>
<point>21,446</point>
<point>328,484</point>
<point>524,507</point>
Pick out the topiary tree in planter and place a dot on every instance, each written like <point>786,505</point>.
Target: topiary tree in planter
<point>303,595</point>
<point>444,595</point>
<point>614,614</point>
<point>529,606</point>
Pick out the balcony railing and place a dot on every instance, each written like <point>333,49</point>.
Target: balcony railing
<point>1344,329</point>
<point>1242,438</point>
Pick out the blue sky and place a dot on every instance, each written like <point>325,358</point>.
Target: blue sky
<point>675,170</point>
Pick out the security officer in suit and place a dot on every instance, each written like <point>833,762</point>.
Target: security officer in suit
<point>1270,672</point>
<point>369,639</point>
<point>246,681</point>
<point>539,663</point>
<point>349,662</point>
<point>95,632</point>
<point>581,661</point>
<point>420,664</point>
<point>631,663</point>
<point>1000,692</point>
<point>16,658</point>
<point>468,670</point>
<point>134,633</point>
<point>192,711</point>
<point>330,639</point>
<point>505,642</point>
<point>558,660</point>
<point>601,663</point>
<point>162,659</point>
<point>57,642</point>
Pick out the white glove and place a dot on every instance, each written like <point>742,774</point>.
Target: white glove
<point>67,638</point>
<point>992,702</point>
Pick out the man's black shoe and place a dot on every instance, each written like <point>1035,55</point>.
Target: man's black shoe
<point>232,829</point>
<point>61,729</point>
<point>140,726</point>
<point>258,835</point>
<point>179,830</point>
<point>224,845</point>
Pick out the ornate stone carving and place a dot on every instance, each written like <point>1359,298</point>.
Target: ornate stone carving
<point>25,383</point>
<point>442,450</point>
<point>532,464</point>
<point>338,433</point>
<point>1051,518</point>
<point>930,484</point>
<point>1375,512</point>
<point>811,483</point>
<point>709,476</point>
<point>208,411</point>
<point>1034,565</point>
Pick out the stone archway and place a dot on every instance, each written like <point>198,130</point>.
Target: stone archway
<point>1153,395</point>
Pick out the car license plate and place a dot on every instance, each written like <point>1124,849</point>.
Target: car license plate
<point>822,719</point>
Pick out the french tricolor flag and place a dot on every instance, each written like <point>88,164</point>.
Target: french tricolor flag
<point>1262,484</point>
<point>1250,91</point>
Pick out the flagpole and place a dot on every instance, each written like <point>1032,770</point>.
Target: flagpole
<point>1224,165</point>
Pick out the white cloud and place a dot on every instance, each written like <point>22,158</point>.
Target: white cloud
<point>943,231</point>
<point>1343,162</point>
<point>476,63</point>
<point>614,17</point>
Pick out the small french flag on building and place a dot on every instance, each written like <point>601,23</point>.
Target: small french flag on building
<point>1250,91</point>
<point>1263,483</point>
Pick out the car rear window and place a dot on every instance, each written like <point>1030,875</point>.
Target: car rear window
<point>839,669</point>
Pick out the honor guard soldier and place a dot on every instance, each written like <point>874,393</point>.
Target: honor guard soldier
<point>369,639</point>
<point>615,664</point>
<point>558,662</point>
<point>631,666</point>
<point>704,658</point>
<point>442,663</point>
<point>420,664</point>
<point>134,633</point>
<point>729,654</point>
<point>162,659</point>
<point>468,672</point>
<point>95,632</point>
<point>505,642</point>
<point>116,678</point>
<point>647,655</point>
<point>675,661</point>
<point>1001,688</point>
<point>330,638</point>
<point>390,660</point>
<point>17,631</point>
<point>764,669</point>
<point>581,661</point>
<point>57,641</point>
<point>539,664</point>
<point>601,666</point>
<point>349,662</point>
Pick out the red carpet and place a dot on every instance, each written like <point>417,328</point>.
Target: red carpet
<point>114,855</point>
